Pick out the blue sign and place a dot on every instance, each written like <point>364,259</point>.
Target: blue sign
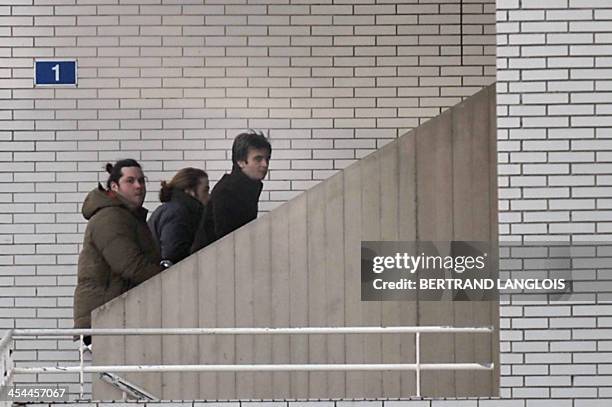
<point>51,73</point>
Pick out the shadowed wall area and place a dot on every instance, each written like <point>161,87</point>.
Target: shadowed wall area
<point>299,266</point>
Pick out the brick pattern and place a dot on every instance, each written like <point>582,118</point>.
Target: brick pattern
<point>170,83</point>
<point>554,146</point>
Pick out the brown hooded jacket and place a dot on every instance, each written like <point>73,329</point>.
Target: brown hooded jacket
<point>118,253</point>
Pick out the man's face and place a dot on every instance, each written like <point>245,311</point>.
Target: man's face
<point>256,165</point>
<point>131,186</point>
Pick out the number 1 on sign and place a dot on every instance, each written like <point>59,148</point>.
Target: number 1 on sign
<point>56,70</point>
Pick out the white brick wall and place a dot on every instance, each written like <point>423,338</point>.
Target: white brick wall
<point>170,83</point>
<point>553,130</point>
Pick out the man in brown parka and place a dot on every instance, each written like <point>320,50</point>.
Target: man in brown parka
<point>118,249</point>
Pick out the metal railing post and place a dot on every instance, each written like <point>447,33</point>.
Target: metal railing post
<point>418,363</point>
<point>6,365</point>
<point>81,357</point>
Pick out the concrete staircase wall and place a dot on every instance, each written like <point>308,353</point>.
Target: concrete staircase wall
<point>299,265</point>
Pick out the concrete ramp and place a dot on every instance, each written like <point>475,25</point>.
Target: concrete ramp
<point>299,266</point>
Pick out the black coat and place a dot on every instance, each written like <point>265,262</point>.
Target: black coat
<point>174,225</point>
<point>233,203</point>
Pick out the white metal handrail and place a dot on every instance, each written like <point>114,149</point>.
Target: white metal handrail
<point>81,369</point>
<point>252,331</point>
<point>253,368</point>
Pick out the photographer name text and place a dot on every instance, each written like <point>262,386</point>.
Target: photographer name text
<point>470,284</point>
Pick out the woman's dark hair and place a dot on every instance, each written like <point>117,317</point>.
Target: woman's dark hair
<point>185,179</point>
<point>116,171</point>
<point>244,141</point>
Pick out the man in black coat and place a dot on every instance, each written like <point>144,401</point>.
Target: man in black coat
<point>233,200</point>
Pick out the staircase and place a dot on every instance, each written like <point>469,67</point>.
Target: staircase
<point>299,266</point>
